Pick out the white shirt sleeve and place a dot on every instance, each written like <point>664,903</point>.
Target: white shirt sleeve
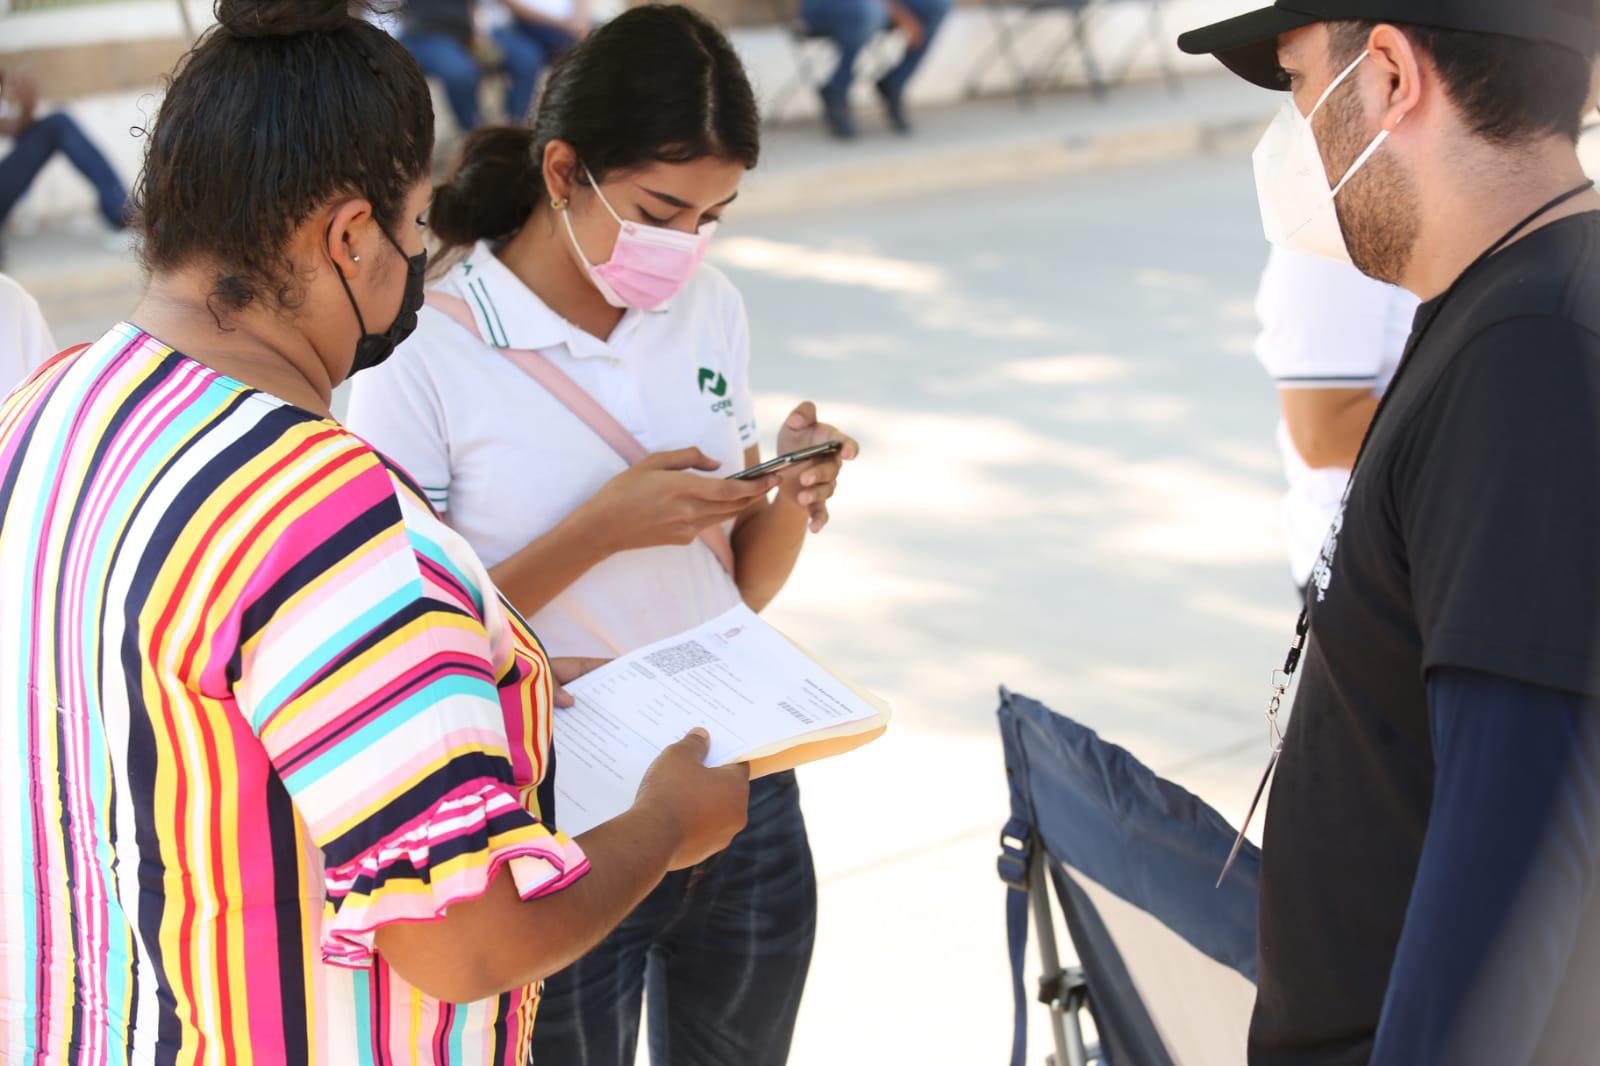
<point>1324,325</point>
<point>25,341</point>
<point>396,408</point>
<point>744,400</point>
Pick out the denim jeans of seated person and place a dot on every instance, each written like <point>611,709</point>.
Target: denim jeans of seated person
<point>723,949</point>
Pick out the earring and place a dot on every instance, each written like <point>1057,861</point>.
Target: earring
<point>355,258</point>
<point>559,203</point>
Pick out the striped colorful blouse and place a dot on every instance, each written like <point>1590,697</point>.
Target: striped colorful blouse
<point>256,701</point>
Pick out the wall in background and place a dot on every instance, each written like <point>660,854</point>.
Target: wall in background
<point>104,63</point>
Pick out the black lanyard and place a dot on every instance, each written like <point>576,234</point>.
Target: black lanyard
<point>1281,679</point>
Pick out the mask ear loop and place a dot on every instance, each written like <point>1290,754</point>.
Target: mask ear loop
<point>1365,157</point>
<point>1361,161</point>
<point>1340,80</point>
<point>595,185</point>
<point>572,235</point>
<point>1372,149</point>
<point>566,215</point>
<point>348,294</point>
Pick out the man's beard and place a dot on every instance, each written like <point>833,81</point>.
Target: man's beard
<point>1378,209</point>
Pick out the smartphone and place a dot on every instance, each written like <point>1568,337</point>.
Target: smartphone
<point>772,466</point>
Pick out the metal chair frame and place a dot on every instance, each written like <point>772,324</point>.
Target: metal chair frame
<point>1029,81</point>
<point>801,43</point>
<point>1063,989</point>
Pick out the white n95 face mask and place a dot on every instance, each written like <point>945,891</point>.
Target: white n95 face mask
<point>1296,202</point>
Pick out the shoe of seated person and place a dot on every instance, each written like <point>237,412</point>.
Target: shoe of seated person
<point>894,105</point>
<point>836,114</point>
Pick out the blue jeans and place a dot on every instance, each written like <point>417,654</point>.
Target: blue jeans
<point>851,25</point>
<point>722,948</point>
<point>443,57</point>
<point>551,41</point>
<point>34,148</point>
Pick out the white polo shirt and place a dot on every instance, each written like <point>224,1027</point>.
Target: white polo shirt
<point>25,341</point>
<point>1325,325</point>
<point>505,461</point>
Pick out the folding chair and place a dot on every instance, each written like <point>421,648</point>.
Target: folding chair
<point>803,47</point>
<point>1167,959</point>
<point>1079,13</point>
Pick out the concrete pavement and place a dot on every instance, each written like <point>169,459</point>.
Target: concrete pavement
<point>1068,486</point>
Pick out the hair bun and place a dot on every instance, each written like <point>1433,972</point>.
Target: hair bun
<point>493,190</point>
<point>286,18</point>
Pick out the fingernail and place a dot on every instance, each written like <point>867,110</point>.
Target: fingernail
<point>805,497</point>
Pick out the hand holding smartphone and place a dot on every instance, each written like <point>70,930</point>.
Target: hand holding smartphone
<point>782,462</point>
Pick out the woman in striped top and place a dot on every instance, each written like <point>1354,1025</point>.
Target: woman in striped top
<point>271,743</point>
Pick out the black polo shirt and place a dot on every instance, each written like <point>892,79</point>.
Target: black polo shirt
<point>1470,538</point>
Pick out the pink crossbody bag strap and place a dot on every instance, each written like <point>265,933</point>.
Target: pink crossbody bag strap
<point>580,403</point>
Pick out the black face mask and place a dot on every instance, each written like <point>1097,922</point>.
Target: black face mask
<point>373,348</point>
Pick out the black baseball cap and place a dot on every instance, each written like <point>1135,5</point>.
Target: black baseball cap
<point>1248,45</point>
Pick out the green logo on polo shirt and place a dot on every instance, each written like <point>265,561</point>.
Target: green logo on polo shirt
<point>717,386</point>
<point>713,382</point>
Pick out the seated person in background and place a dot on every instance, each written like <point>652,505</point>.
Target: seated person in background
<point>551,26</point>
<point>24,338</point>
<point>36,140</point>
<point>1332,339</point>
<point>449,40</point>
<point>851,24</point>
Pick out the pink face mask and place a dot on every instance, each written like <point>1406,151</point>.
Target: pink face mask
<point>649,265</point>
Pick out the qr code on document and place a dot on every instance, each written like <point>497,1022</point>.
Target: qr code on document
<point>680,657</point>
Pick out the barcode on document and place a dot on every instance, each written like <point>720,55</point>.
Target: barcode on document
<point>680,657</point>
<point>794,712</point>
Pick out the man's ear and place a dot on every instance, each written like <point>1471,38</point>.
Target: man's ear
<point>1396,58</point>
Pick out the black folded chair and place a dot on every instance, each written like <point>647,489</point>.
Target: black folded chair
<point>1015,19</point>
<point>1166,959</point>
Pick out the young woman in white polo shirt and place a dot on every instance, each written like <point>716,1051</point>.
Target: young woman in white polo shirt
<point>582,242</point>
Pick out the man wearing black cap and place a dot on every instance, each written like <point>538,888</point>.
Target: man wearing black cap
<point>1432,848</point>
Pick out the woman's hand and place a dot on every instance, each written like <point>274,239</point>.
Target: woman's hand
<point>815,482</point>
<point>705,807</point>
<point>660,501</point>
<point>905,20</point>
<point>567,671</point>
<point>24,95</point>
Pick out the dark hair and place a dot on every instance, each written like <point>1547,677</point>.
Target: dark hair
<point>656,84</point>
<point>282,107</point>
<point>1511,92</point>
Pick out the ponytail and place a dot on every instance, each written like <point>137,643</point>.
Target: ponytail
<point>492,191</point>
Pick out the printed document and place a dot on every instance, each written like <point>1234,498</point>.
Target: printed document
<point>745,683</point>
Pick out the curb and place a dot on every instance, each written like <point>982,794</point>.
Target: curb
<point>843,184</point>
<point>987,165</point>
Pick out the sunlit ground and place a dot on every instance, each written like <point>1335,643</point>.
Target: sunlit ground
<point>1069,486</point>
